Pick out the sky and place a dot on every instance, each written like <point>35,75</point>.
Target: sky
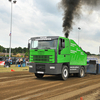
<point>32,18</point>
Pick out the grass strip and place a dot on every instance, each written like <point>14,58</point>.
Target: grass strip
<point>16,69</point>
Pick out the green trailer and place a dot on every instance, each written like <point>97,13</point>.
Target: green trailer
<point>55,55</point>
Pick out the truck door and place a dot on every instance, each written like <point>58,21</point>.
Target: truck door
<point>63,51</point>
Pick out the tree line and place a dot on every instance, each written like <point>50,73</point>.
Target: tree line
<point>14,50</point>
<point>23,50</point>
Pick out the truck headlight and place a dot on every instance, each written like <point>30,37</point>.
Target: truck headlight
<point>30,66</point>
<point>52,67</point>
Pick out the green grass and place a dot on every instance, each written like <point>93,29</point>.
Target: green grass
<point>5,69</point>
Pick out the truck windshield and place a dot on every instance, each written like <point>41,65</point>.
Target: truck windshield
<point>44,44</point>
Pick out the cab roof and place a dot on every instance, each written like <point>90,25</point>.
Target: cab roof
<point>45,38</point>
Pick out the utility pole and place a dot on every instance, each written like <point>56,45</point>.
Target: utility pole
<point>12,2</point>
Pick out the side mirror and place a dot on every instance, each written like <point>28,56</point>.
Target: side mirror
<point>28,46</point>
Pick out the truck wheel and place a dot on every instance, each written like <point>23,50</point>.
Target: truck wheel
<point>39,75</point>
<point>64,74</point>
<point>81,72</point>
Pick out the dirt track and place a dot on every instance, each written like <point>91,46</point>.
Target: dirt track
<point>25,86</point>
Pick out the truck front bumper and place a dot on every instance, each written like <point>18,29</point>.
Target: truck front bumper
<point>45,68</point>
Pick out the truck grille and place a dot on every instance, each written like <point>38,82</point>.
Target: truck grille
<point>40,67</point>
<point>42,58</point>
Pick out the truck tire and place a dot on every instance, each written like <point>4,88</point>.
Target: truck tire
<point>81,72</point>
<point>39,75</point>
<point>64,73</point>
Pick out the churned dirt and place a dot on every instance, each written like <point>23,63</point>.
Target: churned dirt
<point>25,86</point>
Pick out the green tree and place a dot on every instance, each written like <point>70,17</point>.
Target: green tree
<point>14,52</point>
<point>7,55</point>
<point>88,53</point>
<point>19,50</point>
<point>26,54</point>
<point>7,50</point>
<point>24,49</point>
<point>1,48</point>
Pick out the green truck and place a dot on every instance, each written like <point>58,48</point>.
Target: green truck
<point>55,55</point>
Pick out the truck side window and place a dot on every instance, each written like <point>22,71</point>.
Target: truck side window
<point>62,43</point>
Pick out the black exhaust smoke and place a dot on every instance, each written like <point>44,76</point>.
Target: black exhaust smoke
<point>72,10</point>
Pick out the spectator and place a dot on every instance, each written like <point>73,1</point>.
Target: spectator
<point>17,61</point>
<point>24,62</point>
<point>27,60</point>
<point>21,61</point>
<point>6,62</point>
<point>9,61</point>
